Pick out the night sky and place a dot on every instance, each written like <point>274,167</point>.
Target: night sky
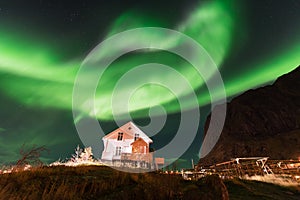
<point>43,43</point>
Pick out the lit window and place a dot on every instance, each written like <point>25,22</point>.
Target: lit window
<point>120,136</point>
<point>118,151</point>
<point>136,136</point>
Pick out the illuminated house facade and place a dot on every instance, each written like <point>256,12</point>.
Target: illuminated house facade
<point>127,143</point>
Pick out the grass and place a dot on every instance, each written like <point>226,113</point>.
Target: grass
<point>89,182</point>
<point>248,190</point>
<point>98,182</point>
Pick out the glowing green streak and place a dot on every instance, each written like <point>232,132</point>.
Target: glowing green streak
<point>131,20</point>
<point>266,71</point>
<point>33,75</point>
<point>25,58</point>
<point>43,81</point>
<point>212,25</point>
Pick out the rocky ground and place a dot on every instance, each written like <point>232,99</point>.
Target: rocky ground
<point>261,122</point>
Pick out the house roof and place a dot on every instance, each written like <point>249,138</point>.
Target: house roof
<point>129,129</point>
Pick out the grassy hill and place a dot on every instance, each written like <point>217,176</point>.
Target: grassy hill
<point>94,182</point>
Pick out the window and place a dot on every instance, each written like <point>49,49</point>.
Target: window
<point>120,136</point>
<point>136,136</point>
<point>118,151</point>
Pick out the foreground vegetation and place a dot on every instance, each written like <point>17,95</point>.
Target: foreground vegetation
<point>95,182</point>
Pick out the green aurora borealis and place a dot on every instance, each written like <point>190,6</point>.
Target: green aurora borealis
<point>35,74</point>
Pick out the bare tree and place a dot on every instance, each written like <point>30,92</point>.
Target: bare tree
<point>30,155</point>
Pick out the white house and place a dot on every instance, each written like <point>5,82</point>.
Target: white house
<point>127,143</point>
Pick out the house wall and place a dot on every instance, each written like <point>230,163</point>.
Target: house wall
<point>140,146</point>
<point>110,148</point>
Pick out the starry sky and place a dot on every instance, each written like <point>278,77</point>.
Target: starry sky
<point>43,43</point>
